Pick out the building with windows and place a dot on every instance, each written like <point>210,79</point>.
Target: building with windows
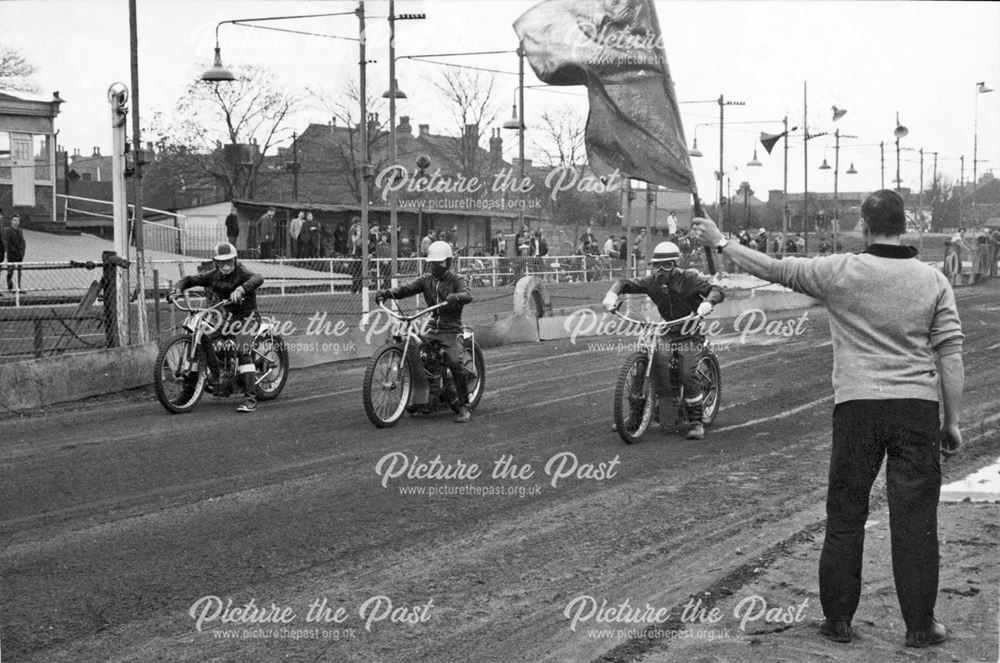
<point>28,156</point>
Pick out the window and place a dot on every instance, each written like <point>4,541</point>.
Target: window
<point>43,167</point>
<point>5,160</point>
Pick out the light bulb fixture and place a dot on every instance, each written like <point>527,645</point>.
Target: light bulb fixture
<point>217,73</point>
<point>901,131</point>
<point>851,171</point>
<point>695,152</point>
<point>754,162</point>
<point>399,93</point>
<point>824,165</point>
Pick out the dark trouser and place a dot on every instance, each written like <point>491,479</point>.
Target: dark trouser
<point>265,251</point>
<point>687,361</point>
<point>905,430</point>
<point>242,330</point>
<point>455,358</point>
<point>10,273</point>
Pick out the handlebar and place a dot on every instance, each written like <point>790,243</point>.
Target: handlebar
<point>413,317</point>
<point>190,309</point>
<point>661,323</point>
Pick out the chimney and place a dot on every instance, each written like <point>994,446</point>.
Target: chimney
<point>496,150</point>
<point>404,126</point>
<point>425,129</point>
<point>97,152</point>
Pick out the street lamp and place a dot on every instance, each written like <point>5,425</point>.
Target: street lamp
<point>217,73</point>
<point>980,89</point>
<point>722,121</point>
<point>837,114</point>
<point>899,132</point>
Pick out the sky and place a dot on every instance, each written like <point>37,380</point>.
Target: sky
<point>920,59</point>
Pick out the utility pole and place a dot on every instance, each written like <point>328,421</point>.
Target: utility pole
<point>137,160</point>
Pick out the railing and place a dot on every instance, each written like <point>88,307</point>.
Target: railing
<point>168,238</point>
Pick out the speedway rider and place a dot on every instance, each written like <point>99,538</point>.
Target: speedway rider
<point>438,286</point>
<point>230,280</point>
<point>677,293</point>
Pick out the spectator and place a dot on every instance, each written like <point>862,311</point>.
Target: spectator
<point>994,250</point>
<point>294,232</point>
<point>762,240</point>
<point>498,245</point>
<point>959,247</point>
<point>897,343</point>
<point>340,240</point>
<point>310,238</point>
<point>800,244</point>
<point>609,248</point>
<point>14,245</point>
<point>265,234</point>
<point>791,246</point>
<point>587,238</point>
<point>232,226</point>
<point>540,246</point>
<point>980,260</point>
<point>2,226</point>
<point>824,247</point>
<point>383,254</point>
<point>671,225</point>
<point>426,242</point>
<point>623,248</point>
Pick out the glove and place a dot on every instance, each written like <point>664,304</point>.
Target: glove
<point>454,298</point>
<point>704,309</point>
<point>610,302</point>
<point>236,296</point>
<point>382,295</point>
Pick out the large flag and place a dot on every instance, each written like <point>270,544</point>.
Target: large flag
<point>615,48</point>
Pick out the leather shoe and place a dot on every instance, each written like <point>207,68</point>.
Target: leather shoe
<point>419,408</point>
<point>464,415</point>
<point>836,631</point>
<point>932,635</point>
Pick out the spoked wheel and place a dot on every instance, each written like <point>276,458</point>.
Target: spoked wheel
<point>478,383</point>
<point>270,357</point>
<point>387,386</point>
<point>634,399</point>
<point>709,375</point>
<point>179,381</point>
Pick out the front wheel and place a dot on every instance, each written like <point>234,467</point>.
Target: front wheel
<point>477,383</point>
<point>270,358</point>
<point>387,386</point>
<point>709,375</point>
<point>179,375</point>
<point>634,399</point>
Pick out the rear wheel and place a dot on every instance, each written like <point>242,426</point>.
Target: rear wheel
<point>634,399</point>
<point>387,386</point>
<point>270,358</point>
<point>178,379</point>
<point>709,375</point>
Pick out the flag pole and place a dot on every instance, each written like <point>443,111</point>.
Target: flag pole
<point>709,258</point>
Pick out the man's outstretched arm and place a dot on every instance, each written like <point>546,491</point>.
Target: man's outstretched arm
<point>705,231</point>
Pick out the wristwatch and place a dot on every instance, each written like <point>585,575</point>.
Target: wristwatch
<point>721,244</point>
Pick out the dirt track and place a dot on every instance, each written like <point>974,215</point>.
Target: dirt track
<point>119,518</point>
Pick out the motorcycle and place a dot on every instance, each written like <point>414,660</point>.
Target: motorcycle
<point>388,381</point>
<point>636,399</point>
<point>180,375</point>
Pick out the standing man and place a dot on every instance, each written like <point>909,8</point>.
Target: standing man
<point>897,344</point>
<point>959,246</point>
<point>294,232</point>
<point>13,242</point>
<point>671,225</point>
<point>232,226</point>
<point>265,233</point>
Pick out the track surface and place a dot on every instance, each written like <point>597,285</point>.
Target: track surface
<point>118,517</point>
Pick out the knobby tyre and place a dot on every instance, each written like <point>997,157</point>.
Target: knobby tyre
<point>179,385</point>
<point>477,383</point>
<point>633,399</point>
<point>270,357</point>
<point>710,376</point>
<point>387,386</point>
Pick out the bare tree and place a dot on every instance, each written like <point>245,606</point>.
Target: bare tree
<point>470,97</point>
<point>16,71</point>
<point>248,116</point>
<point>562,132</point>
<point>347,143</point>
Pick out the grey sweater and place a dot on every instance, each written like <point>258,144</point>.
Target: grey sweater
<point>891,316</point>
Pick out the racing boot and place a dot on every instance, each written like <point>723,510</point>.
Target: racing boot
<point>665,411</point>
<point>249,403</point>
<point>696,414</point>
<point>464,414</point>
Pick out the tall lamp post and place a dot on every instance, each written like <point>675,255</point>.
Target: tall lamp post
<point>219,74</point>
<point>899,132</point>
<point>980,89</point>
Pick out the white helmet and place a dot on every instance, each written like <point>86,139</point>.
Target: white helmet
<point>224,251</point>
<point>665,252</point>
<point>438,251</point>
